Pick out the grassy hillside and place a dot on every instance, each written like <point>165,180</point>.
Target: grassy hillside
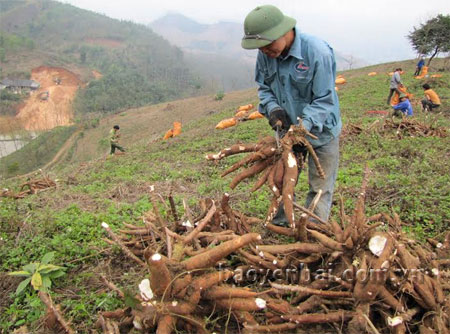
<point>139,67</point>
<point>37,153</point>
<point>410,177</point>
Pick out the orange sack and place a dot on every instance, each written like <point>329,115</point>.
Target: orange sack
<point>226,123</point>
<point>176,128</point>
<point>246,107</point>
<point>423,73</point>
<point>255,115</point>
<point>395,99</point>
<point>241,113</point>
<point>168,134</point>
<point>371,74</point>
<point>340,81</point>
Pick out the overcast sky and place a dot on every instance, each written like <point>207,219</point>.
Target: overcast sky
<point>374,30</point>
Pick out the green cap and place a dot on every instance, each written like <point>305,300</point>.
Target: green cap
<point>402,95</point>
<point>263,25</point>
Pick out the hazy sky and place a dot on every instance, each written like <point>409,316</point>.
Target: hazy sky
<point>373,30</point>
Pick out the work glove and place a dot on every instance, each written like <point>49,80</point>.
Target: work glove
<point>299,149</point>
<point>279,115</point>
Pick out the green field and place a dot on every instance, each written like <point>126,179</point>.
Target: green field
<point>410,177</point>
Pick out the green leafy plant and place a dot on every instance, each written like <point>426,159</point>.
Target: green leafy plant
<point>39,274</point>
<point>219,96</point>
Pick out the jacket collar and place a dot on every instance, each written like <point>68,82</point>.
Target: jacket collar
<point>296,49</point>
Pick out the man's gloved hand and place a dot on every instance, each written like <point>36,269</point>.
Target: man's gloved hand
<point>299,149</point>
<point>279,115</point>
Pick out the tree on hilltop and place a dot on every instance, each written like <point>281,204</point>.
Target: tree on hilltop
<point>432,36</point>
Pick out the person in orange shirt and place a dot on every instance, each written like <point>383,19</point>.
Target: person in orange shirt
<point>431,100</point>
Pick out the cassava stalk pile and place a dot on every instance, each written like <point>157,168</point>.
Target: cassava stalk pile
<point>183,287</point>
<point>373,279</point>
<point>279,166</point>
<point>30,187</point>
<point>350,130</point>
<point>358,275</point>
<point>410,127</point>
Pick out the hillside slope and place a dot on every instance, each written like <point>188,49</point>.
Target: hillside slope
<point>410,177</point>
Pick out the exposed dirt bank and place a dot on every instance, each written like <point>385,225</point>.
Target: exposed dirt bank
<point>45,114</point>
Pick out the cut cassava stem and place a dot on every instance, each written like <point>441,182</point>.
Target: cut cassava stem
<point>122,246</point>
<point>46,299</point>
<point>300,231</point>
<point>310,213</point>
<point>112,286</point>
<point>201,224</point>
<point>160,276</point>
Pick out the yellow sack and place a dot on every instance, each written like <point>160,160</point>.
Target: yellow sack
<point>340,81</point>
<point>226,123</point>
<point>371,74</point>
<point>255,115</point>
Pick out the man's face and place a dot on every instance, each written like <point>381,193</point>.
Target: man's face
<point>274,49</point>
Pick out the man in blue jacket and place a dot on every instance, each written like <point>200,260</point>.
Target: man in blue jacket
<point>296,76</point>
<point>419,67</point>
<point>404,107</point>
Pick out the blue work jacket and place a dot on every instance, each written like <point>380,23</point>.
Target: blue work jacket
<point>405,107</point>
<point>303,84</point>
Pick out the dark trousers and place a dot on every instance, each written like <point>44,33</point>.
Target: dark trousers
<point>114,146</point>
<point>418,70</point>
<point>427,104</point>
<point>391,92</point>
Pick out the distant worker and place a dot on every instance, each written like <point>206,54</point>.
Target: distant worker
<point>431,100</point>
<point>419,67</point>
<point>396,82</point>
<point>404,107</point>
<point>114,136</point>
<point>295,74</point>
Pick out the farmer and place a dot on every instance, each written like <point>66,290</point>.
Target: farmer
<point>431,100</point>
<point>396,82</point>
<point>295,73</point>
<point>403,108</point>
<point>419,66</point>
<point>114,136</point>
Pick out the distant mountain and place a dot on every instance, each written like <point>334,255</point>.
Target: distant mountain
<point>212,50</point>
<point>221,39</point>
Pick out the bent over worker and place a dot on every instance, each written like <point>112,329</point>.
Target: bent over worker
<point>431,100</point>
<point>295,73</point>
